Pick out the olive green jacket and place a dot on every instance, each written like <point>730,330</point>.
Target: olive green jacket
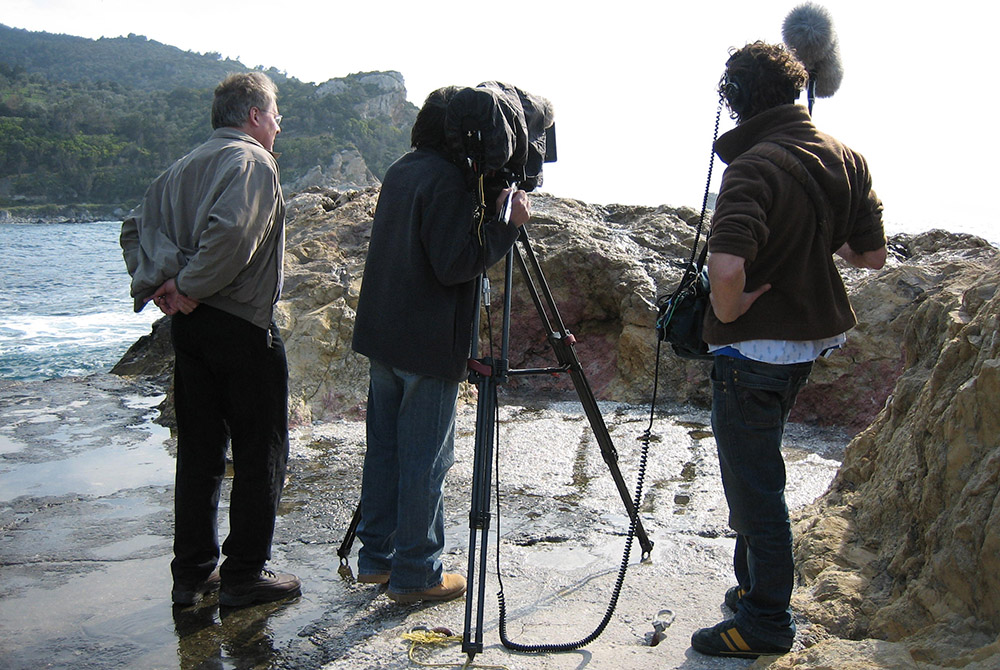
<point>215,221</point>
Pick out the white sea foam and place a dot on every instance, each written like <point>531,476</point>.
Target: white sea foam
<point>64,303</point>
<point>40,333</point>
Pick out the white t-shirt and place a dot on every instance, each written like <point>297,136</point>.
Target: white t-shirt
<point>785,352</point>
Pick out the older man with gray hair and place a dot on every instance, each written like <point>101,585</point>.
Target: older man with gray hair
<point>206,246</point>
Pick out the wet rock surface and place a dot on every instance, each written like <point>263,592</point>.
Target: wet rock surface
<point>896,562</point>
<point>85,534</point>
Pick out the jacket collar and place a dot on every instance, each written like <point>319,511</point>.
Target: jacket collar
<point>237,134</point>
<point>755,129</point>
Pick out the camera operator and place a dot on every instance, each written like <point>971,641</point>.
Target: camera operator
<point>414,322</point>
<point>791,198</point>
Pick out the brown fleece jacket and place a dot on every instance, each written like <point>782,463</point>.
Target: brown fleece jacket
<point>790,197</point>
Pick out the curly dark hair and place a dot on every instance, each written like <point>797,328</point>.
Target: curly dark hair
<point>758,77</point>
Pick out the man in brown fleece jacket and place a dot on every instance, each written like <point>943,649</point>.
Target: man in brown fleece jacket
<point>791,198</point>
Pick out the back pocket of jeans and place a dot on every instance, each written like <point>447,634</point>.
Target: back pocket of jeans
<point>760,399</point>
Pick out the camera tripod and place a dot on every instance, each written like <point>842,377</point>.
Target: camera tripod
<point>488,374</point>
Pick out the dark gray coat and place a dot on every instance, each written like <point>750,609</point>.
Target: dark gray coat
<point>418,295</point>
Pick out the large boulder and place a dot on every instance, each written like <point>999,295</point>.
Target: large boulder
<point>905,546</point>
<point>326,242</point>
<point>851,387</point>
<point>604,267</point>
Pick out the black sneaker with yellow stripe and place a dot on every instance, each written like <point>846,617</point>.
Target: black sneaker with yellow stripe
<point>725,639</point>
<point>733,597</point>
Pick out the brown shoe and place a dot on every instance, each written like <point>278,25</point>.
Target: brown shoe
<point>452,586</point>
<point>267,587</point>
<point>374,578</point>
<point>191,594</point>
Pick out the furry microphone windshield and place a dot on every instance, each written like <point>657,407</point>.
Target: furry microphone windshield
<point>808,32</point>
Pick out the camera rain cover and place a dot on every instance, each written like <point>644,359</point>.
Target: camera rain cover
<point>497,126</point>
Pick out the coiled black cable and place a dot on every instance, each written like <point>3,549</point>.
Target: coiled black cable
<point>691,267</point>
<point>620,581</point>
<point>644,454</point>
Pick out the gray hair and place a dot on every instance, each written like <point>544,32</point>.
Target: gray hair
<point>237,94</point>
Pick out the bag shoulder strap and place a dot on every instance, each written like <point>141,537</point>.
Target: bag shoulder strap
<point>783,159</point>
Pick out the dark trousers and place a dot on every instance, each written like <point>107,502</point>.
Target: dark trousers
<point>230,389</point>
<point>750,405</point>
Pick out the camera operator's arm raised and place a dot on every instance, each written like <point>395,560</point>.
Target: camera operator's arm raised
<point>459,256</point>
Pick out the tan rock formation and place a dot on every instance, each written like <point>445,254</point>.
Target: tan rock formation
<point>605,265</point>
<point>905,546</point>
<point>327,238</point>
<point>386,93</point>
<point>347,171</point>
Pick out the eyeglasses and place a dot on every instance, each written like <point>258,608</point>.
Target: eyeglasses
<point>277,117</point>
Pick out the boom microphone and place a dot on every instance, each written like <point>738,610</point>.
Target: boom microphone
<point>808,32</point>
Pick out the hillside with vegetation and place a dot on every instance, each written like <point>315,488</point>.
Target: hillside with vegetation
<point>91,122</point>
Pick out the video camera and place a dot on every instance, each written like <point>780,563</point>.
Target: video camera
<point>502,135</point>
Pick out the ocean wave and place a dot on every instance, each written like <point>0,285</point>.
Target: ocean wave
<point>100,329</point>
<point>43,347</point>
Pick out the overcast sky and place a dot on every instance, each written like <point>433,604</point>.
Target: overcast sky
<point>632,83</point>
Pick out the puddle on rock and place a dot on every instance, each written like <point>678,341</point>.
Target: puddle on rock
<point>86,582</point>
<point>9,445</point>
<point>88,473</point>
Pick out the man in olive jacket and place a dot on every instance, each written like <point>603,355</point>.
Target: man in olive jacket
<point>791,198</point>
<point>206,246</point>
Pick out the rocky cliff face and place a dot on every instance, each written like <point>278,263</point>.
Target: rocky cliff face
<point>605,266</point>
<point>346,171</point>
<point>387,92</point>
<point>905,547</point>
<point>602,264</point>
<point>372,95</point>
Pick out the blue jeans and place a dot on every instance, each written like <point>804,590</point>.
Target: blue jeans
<point>411,446</point>
<point>750,405</point>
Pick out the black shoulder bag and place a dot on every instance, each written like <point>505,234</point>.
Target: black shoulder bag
<point>681,314</point>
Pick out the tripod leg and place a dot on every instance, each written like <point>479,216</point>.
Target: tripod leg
<point>479,516</point>
<point>608,451</point>
<point>482,476</point>
<point>345,546</point>
<point>563,344</point>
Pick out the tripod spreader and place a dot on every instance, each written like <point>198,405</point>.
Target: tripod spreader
<point>563,344</point>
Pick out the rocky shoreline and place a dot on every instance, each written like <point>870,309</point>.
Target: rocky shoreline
<point>86,502</point>
<point>897,559</point>
<point>63,214</point>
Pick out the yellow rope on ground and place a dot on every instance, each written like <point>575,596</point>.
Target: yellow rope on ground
<point>429,637</point>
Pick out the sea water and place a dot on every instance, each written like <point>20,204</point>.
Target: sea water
<point>65,308</point>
